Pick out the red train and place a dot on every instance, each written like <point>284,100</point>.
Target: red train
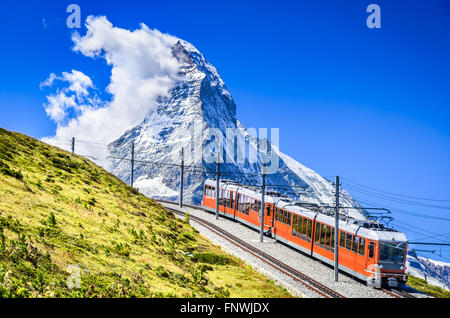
<point>367,250</point>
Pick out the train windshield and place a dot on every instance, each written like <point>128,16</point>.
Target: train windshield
<point>392,252</point>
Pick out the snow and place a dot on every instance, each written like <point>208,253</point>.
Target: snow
<point>433,272</point>
<point>154,187</point>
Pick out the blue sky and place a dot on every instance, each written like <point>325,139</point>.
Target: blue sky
<point>370,105</point>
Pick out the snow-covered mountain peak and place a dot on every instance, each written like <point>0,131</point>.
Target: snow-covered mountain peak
<point>187,53</point>
<point>200,100</point>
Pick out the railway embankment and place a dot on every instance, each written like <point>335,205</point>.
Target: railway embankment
<point>317,271</point>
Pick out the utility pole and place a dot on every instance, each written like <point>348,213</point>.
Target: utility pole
<point>217,185</point>
<point>336,233</point>
<point>263,192</point>
<point>132,164</point>
<point>73,145</point>
<point>182,177</point>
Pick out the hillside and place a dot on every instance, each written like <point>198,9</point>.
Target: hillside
<point>60,212</point>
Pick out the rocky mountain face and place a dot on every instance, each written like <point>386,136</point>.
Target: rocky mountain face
<point>433,272</point>
<point>199,110</point>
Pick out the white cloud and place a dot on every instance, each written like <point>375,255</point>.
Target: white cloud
<point>142,69</point>
<point>75,96</point>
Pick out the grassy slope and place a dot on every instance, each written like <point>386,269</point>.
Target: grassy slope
<point>421,285</point>
<point>57,210</point>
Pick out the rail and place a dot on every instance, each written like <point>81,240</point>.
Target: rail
<point>287,270</point>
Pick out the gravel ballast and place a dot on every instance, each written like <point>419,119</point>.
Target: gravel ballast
<point>323,273</point>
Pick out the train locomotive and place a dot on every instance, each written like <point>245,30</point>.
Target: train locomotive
<point>368,250</point>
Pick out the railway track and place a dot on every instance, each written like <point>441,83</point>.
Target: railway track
<point>287,270</point>
<point>397,293</point>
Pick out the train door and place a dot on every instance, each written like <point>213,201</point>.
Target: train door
<point>370,259</point>
<point>232,203</point>
<point>268,216</point>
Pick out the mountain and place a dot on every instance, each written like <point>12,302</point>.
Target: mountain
<point>433,272</point>
<point>200,102</point>
<point>69,228</point>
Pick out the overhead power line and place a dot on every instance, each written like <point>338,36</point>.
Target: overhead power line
<point>403,201</point>
<point>396,194</point>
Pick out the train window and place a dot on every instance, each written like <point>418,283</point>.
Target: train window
<point>342,240</point>
<point>308,233</point>
<point>295,229</point>
<point>328,237</point>
<point>301,226</point>
<point>222,197</point>
<point>371,249</point>
<point>355,243</point>
<point>247,206</point>
<point>323,233</point>
<point>317,236</point>
<point>294,226</point>
<point>257,205</point>
<point>225,198</point>
<point>252,204</point>
<point>231,199</point>
<point>348,244</point>
<point>362,245</point>
<point>332,239</point>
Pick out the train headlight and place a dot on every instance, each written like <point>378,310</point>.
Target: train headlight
<point>380,266</point>
<point>402,267</point>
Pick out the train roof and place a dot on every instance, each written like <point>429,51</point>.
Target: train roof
<point>365,228</point>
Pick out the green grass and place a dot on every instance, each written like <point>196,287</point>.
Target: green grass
<point>58,210</point>
<point>421,285</point>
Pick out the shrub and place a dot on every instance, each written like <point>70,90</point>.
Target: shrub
<point>186,236</point>
<point>211,258</point>
<point>6,170</point>
<point>52,219</point>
